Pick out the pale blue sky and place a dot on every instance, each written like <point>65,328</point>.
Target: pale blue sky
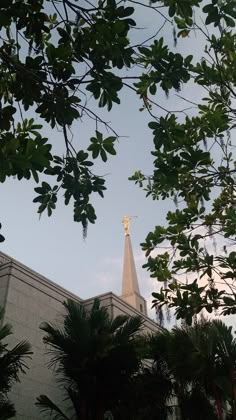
<point>54,246</point>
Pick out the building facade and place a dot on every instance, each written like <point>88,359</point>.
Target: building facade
<point>30,299</point>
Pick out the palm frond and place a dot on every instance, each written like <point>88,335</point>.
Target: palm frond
<point>48,407</point>
<point>225,341</point>
<point>74,316</point>
<point>74,397</point>
<point>99,319</point>
<point>5,331</point>
<point>130,329</point>
<point>66,349</point>
<point>96,305</point>
<point>7,409</point>
<point>56,336</point>
<point>12,363</point>
<point>2,311</point>
<point>21,350</point>
<point>118,322</point>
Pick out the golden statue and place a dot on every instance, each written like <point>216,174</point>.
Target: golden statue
<point>125,221</point>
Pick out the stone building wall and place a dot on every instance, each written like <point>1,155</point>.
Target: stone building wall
<point>29,299</point>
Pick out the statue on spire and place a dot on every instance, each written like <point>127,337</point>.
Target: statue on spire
<point>126,221</point>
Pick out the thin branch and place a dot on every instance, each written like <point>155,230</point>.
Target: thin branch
<point>151,37</point>
<point>156,9</point>
<point>96,117</point>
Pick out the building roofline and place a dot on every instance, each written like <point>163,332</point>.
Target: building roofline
<point>42,279</point>
<point>12,262</point>
<point>124,303</point>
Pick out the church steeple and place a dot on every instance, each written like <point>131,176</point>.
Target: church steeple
<point>130,279</point>
<point>130,286</point>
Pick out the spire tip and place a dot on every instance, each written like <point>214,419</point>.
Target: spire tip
<point>126,222</point>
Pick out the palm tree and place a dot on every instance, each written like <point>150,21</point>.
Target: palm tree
<point>12,364</point>
<point>202,361</point>
<point>225,362</point>
<point>94,357</point>
<point>215,362</point>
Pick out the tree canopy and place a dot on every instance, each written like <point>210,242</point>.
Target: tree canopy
<point>56,54</point>
<point>193,256</point>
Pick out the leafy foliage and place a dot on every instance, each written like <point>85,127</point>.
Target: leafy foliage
<point>47,407</point>
<point>1,236</point>
<point>12,365</point>
<point>193,255</point>
<point>41,55</point>
<point>201,361</point>
<point>55,55</point>
<point>94,358</point>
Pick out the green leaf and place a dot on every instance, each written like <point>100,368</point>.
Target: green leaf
<point>229,21</point>
<point>103,155</point>
<point>172,10</point>
<point>109,148</point>
<point>95,152</point>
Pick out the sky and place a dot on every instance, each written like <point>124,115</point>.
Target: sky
<point>55,246</point>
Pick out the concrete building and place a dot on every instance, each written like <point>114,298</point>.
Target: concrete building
<point>30,299</point>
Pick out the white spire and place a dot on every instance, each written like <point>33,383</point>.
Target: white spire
<point>130,286</point>
<point>130,279</point>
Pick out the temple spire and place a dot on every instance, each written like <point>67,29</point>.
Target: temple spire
<point>130,279</point>
<point>130,286</point>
